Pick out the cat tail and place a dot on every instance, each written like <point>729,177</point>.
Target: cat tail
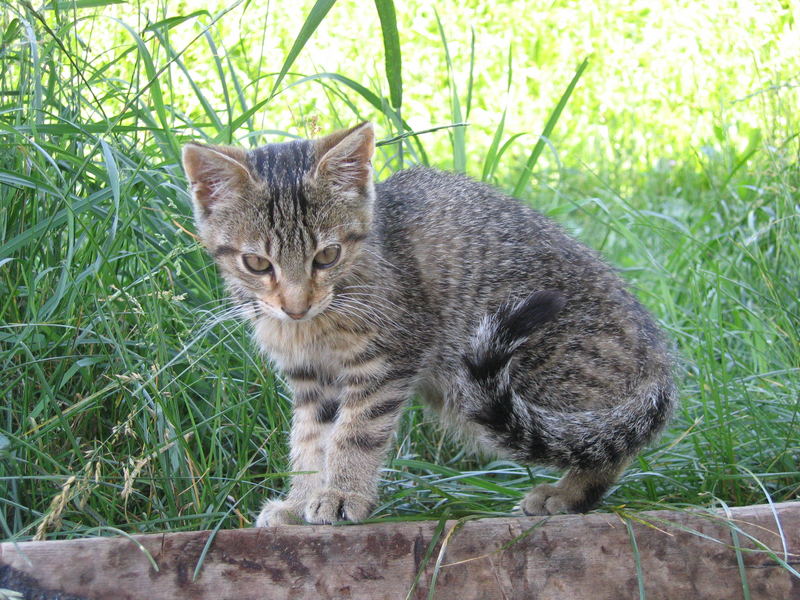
<point>533,433</point>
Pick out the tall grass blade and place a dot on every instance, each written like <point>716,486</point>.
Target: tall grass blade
<point>525,177</point>
<point>458,136</point>
<point>737,548</point>
<point>199,94</point>
<point>492,156</point>
<point>65,5</point>
<point>172,22</point>
<point>376,101</point>
<point>471,79</point>
<point>423,564</point>
<point>223,84</point>
<point>169,144</point>
<point>315,17</point>
<point>637,559</point>
<point>391,48</point>
<point>393,59</point>
<point>114,183</point>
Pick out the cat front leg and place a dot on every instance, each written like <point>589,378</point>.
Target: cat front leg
<point>314,411</point>
<point>357,446</point>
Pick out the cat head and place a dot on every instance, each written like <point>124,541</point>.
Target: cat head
<point>285,222</point>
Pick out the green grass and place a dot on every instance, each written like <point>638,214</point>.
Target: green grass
<point>132,402</point>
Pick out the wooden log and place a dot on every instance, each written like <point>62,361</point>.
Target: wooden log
<point>680,555</point>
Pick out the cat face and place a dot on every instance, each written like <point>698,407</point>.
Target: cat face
<point>285,222</point>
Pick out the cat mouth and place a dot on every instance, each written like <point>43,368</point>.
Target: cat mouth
<point>295,318</point>
<point>265,310</point>
<point>260,309</point>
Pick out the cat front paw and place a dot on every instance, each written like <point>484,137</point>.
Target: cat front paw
<point>331,505</point>
<point>278,512</point>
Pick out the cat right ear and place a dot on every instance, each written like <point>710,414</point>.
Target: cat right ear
<point>215,174</point>
<point>345,157</point>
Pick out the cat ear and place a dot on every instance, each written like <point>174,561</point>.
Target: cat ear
<point>215,174</point>
<point>346,156</point>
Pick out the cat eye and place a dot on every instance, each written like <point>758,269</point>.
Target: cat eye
<point>256,264</point>
<point>327,257</point>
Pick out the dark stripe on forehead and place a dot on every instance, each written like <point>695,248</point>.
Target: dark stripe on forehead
<point>354,236</point>
<point>301,155</point>
<point>224,250</point>
<point>282,167</point>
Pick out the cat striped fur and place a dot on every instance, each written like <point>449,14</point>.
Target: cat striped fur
<point>362,295</point>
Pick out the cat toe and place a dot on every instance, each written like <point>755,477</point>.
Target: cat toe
<point>546,499</point>
<point>277,512</point>
<point>331,505</point>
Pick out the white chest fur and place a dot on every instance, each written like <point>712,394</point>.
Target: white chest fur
<point>318,341</point>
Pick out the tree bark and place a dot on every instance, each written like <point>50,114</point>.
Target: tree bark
<point>675,555</point>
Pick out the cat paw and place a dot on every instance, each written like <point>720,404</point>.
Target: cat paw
<point>278,512</point>
<point>546,499</point>
<point>331,505</point>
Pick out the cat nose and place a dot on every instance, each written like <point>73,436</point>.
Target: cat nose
<point>295,299</point>
<point>295,315</point>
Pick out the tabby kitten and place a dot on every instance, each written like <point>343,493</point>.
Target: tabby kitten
<point>363,294</point>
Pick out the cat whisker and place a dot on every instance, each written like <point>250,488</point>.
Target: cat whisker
<point>366,311</point>
<point>381,259</point>
<point>354,317</point>
<point>376,311</point>
<point>228,313</point>
<point>333,315</point>
<point>377,298</point>
<point>341,305</point>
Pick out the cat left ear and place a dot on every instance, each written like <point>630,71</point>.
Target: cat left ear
<point>215,174</point>
<point>346,157</point>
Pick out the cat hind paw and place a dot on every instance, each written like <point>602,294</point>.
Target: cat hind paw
<point>546,499</point>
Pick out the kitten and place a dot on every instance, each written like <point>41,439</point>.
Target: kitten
<point>363,294</point>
